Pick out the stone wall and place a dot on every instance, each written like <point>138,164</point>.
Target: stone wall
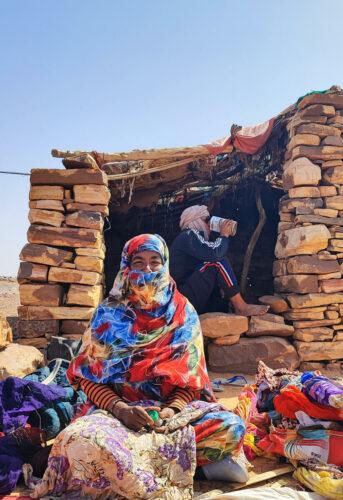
<point>309,248</point>
<point>61,269</point>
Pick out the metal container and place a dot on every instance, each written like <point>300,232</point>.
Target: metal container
<point>215,225</point>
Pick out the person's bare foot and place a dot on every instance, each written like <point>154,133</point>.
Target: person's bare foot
<point>251,310</point>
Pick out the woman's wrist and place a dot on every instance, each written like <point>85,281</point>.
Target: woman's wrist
<point>115,406</point>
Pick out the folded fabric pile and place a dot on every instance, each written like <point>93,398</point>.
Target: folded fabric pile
<point>32,410</point>
<point>298,416</point>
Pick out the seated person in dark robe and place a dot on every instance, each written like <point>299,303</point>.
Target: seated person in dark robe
<point>201,269</point>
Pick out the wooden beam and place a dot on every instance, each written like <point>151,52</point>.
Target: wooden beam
<point>143,154</point>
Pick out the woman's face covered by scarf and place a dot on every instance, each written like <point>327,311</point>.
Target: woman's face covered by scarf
<point>144,272</point>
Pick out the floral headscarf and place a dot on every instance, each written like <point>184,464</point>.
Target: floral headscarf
<point>144,352</point>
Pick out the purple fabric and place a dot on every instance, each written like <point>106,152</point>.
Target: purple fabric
<point>18,398</point>
<point>319,389</point>
<point>13,455</point>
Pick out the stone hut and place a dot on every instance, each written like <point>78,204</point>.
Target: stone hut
<point>287,198</point>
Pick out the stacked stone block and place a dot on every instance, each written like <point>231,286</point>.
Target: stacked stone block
<point>61,273</point>
<point>309,249</point>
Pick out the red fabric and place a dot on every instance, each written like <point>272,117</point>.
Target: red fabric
<point>291,400</point>
<point>248,139</point>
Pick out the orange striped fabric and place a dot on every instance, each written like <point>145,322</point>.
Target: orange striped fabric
<point>103,397</point>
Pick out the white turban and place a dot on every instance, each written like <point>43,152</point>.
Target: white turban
<point>194,218</point>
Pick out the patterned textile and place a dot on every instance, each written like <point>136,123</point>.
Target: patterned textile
<point>145,339</point>
<point>97,457</point>
<point>322,390</point>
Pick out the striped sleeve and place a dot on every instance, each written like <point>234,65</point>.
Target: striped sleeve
<point>100,394</point>
<point>180,398</point>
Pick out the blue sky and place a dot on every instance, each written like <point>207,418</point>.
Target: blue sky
<point>116,75</point>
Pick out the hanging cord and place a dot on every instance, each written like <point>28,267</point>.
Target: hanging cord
<point>12,173</point>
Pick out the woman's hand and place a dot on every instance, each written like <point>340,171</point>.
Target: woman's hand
<point>134,417</point>
<point>226,226</point>
<point>167,413</point>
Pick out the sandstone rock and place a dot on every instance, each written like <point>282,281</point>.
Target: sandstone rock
<point>332,140</point>
<point>318,129</point>
<point>297,283</point>
<point>304,192</point>
<point>329,276</point>
<point>334,175</point>
<point>302,240</point>
<point>6,336</point>
<point>326,191</point>
<point>335,202</point>
<point>84,295</point>
<point>325,255</point>
<point>227,340</point>
<point>319,109</point>
<point>286,217</point>
<point>85,263</point>
<point>35,328</point>
<point>93,194</point>
<point>32,272</point>
<point>284,226</point>
<point>332,286</point>
<point>318,152</point>
<point>313,334</point>
<point>60,275</point>
<point>314,299</point>
<point>43,312</point>
<point>82,218</point>
<point>310,309</point>
<point>276,302</point>
<point>332,99</point>
<point>39,343</point>
<point>331,314</point>
<point>274,318</point>
<point>64,236</point>
<point>91,252</point>
<point>40,295</point>
<point>59,177</point>
<point>56,205</point>
<point>18,361</point>
<point>103,209</point>
<point>305,210</point>
<point>304,139</point>
<point>279,267</point>
<point>337,121</point>
<point>73,327</point>
<point>49,217</point>
<point>43,254</point>
<point>332,163</point>
<point>215,325</point>
<point>258,327</point>
<point>326,212</point>
<point>319,351</point>
<point>314,323</point>
<point>243,357</point>
<point>297,316</point>
<point>46,193</point>
<point>338,243</point>
<point>311,264</point>
<point>68,265</point>
<point>317,219</point>
<point>288,205</point>
<point>338,336</point>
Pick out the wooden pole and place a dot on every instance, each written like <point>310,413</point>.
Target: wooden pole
<point>144,154</point>
<point>253,240</point>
